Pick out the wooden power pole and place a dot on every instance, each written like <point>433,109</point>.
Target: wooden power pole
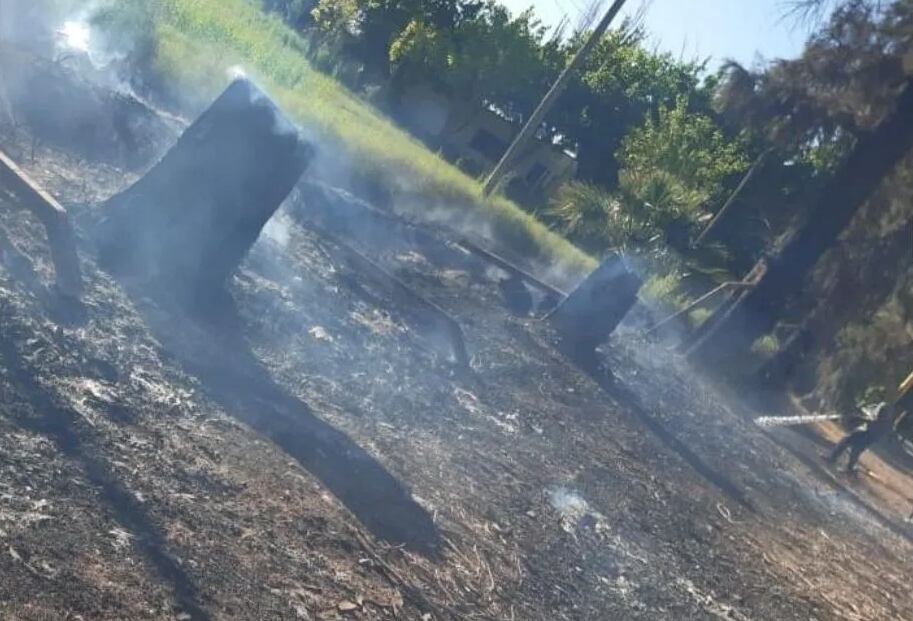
<point>714,224</point>
<point>535,120</point>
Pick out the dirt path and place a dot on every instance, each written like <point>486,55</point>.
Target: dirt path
<point>308,453</point>
<point>886,476</point>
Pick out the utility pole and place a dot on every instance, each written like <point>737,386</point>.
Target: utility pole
<point>535,120</point>
<point>711,228</point>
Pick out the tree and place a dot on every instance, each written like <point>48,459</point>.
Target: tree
<point>687,145</point>
<point>478,51</point>
<point>379,22</point>
<point>620,83</point>
<point>872,159</point>
<point>849,82</point>
<point>845,82</point>
<point>673,166</point>
<point>493,58</point>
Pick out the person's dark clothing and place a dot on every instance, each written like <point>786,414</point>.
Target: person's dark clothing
<point>857,442</point>
<point>861,439</point>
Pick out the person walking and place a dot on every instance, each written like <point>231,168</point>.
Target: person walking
<point>862,438</point>
<point>887,416</point>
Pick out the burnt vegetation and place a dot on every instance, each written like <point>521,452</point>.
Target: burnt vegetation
<point>239,380</point>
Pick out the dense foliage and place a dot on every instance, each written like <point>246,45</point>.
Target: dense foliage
<point>621,83</point>
<point>673,168</point>
<point>491,58</point>
<point>477,51</point>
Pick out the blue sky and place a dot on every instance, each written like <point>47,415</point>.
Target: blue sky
<point>744,30</point>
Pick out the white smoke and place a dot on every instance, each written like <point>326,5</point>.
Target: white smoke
<point>75,35</point>
<point>87,50</point>
<point>236,72</point>
<point>278,229</point>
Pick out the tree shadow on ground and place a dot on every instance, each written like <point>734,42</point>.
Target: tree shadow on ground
<point>207,339</point>
<point>589,363</point>
<point>61,426</point>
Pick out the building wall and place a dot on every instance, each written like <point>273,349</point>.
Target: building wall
<point>477,138</point>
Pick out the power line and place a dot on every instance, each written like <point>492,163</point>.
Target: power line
<point>536,118</point>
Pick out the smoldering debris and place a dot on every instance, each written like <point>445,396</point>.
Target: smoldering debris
<point>512,269</point>
<point>516,296</point>
<point>326,208</point>
<point>58,107</point>
<point>440,330</point>
<point>351,218</point>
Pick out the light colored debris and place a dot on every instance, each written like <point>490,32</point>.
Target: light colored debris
<point>122,538</point>
<point>320,333</point>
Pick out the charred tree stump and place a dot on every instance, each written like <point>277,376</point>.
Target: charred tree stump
<point>191,219</point>
<point>587,317</point>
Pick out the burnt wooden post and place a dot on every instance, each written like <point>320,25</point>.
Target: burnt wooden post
<point>191,219</point>
<point>61,238</point>
<point>587,317</point>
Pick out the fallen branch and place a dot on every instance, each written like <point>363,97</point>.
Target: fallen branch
<point>61,239</point>
<point>509,267</point>
<point>698,302</point>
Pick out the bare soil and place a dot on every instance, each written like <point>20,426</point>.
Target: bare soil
<point>300,448</point>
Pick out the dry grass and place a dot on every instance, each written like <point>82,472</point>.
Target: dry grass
<point>196,41</point>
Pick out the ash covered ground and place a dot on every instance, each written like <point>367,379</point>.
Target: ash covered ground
<point>304,449</point>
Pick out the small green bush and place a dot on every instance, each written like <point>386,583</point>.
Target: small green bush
<point>766,347</point>
<point>699,315</point>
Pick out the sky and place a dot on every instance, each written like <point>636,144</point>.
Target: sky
<point>743,30</point>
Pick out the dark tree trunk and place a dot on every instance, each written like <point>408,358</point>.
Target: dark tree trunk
<point>596,161</point>
<point>191,219</point>
<point>758,310</point>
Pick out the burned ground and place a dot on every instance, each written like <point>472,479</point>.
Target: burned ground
<point>303,448</point>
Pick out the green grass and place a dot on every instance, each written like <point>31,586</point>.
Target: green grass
<point>766,347</point>
<point>196,41</point>
<point>665,289</point>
